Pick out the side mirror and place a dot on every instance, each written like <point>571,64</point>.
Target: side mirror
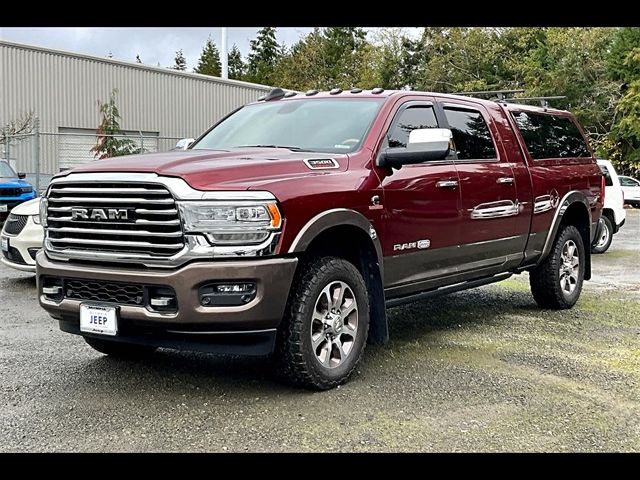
<point>22,175</point>
<point>424,144</point>
<point>184,143</point>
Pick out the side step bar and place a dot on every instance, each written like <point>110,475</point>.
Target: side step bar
<point>394,302</point>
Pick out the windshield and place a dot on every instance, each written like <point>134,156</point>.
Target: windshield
<point>6,170</point>
<point>320,125</point>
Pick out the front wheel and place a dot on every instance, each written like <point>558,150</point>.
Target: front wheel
<point>557,282</point>
<point>605,238</point>
<point>324,332</point>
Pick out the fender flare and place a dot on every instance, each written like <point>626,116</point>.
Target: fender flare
<point>379,326</point>
<point>332,218</point>
<point>574,196</point>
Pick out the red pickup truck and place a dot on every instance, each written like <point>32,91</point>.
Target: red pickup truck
<point>293,223</point>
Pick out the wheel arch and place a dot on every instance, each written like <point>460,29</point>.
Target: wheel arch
<point>363,249</point>
<point>574,210</point>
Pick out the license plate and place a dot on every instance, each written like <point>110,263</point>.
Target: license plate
<point>98,319</point>
<point>4,208</point>
<point>4,244</point>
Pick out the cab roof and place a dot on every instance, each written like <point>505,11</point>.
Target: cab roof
<point>381,93</point>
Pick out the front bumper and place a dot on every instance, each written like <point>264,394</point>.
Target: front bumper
<point>193,326</point>
<point>23,245</point>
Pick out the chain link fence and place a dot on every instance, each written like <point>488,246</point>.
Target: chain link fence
<point>40,155</point>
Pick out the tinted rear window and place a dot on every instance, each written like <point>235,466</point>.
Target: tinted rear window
<point>607,178</point>
<point>549,136</point>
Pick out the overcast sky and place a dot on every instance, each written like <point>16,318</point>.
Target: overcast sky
<point>153,44</point>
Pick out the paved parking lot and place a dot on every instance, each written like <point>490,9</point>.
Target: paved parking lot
<point>482,370</point>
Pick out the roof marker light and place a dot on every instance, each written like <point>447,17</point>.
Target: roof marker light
<point>311,92</point>
<point>275,94</point>
<point>377,90</point>
<point>356,90</point>
<point>335,91</point>
<point>290,94</point>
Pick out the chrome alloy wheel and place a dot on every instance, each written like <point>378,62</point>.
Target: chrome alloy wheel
<point>570,267</point>
<point>604,236</point>
<point>334,324</point>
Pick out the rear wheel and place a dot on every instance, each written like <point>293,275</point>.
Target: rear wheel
<point>119,349</point>
<point>605,238</point>
<point>557,282</point>
<point>324,331</point>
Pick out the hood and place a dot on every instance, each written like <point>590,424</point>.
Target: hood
<point>13,182</point>
<point>237,169</point>
<point>30,207</point>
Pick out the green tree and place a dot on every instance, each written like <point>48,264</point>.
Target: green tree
<point>108,144</point>
<point>623,141</point>
<point>179,62</point>
<point>624,41</point>
<point>236,64</point>
<point>209,62</point>
<point>264,55</point>
<point>328,58</point>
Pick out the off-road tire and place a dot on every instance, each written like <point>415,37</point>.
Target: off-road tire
<point>119,349</point>
<point>545,278</point>
<point>603,248</point>
<point>294,355</point>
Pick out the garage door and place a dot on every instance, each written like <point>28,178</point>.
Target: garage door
<point>75,144</point>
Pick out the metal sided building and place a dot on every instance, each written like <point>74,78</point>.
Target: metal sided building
<point>157,105</point>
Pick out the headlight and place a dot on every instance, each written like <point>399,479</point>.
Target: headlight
<point>26,189</point>
<point>36,219</point>
<point>226,223</point>
<point>43,211</point>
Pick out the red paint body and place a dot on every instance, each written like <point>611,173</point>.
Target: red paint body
<point>412,207</point>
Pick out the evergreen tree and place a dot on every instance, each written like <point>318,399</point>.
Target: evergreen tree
<point>236,64</point>
<point>209,62</point>
<point>263,57</point>
<point>108,144</point>
<point>179,63</point>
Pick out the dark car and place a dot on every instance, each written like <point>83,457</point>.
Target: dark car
<point>295,222</point>
<point>13,190</point>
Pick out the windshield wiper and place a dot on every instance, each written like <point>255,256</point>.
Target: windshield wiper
<point>293,149</point>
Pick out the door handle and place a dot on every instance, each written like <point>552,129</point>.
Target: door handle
<point>447,184</point>
<point>505,180</point>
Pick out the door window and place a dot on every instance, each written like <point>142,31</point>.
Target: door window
<point>408,120</point>
<point>470,134</point>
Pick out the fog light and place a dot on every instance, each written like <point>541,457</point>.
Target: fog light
<point>227,294</point>
<point>52,288</point>
<point>161,299</point>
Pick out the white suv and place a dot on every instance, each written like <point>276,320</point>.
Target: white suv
<point>22,236</point>
<point>613,213</point>
<point>631,189</point>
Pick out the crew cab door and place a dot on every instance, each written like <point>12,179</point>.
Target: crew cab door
<point>421,203</point>
<point>495,191</point>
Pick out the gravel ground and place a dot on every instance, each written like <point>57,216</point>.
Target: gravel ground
<point>482,370</point>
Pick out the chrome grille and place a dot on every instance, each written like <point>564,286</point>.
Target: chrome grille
<point>152,228</point>
<point>15,224</point>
